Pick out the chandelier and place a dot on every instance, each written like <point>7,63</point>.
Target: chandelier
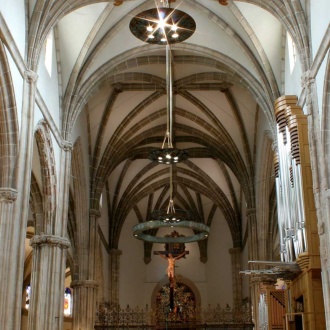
<point>166,26</point>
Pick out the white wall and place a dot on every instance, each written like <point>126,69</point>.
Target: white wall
<point>13,12</point>
<point>219,273</point>
<point>319,22</point>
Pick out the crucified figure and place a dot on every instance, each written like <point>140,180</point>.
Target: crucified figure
<point>171,265</point>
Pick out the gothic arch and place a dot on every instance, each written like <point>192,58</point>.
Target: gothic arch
<point>48,174</point>
<point>325,122</point>
<point>8,123</point>
<point>265,182</point>
<point>80,211</point>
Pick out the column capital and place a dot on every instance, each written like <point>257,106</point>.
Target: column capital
<point>84,284</point>
<point>235,250</point>
<point>95,213</point>
<point>30,76</point>
<point>307,79</point>
<point>66,145</point>
<point>8,195</point>
<point>116,252</point>
<point>251,211</point>
<point>39,240</point>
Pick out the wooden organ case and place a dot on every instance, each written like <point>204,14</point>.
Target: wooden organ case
<point>304,307</point>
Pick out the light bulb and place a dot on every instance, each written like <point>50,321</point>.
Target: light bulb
<point>150,28</point>
<point>175,35</point>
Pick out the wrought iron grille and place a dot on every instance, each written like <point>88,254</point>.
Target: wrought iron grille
<point>109,317</point>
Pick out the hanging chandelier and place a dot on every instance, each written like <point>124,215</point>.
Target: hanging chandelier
<point>166,26</point>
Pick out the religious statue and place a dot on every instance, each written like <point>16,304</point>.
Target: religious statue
<point>171,265</point>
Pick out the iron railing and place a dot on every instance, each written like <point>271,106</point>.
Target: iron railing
<point>110,317</point>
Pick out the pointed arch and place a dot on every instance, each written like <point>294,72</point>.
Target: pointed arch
<point>81,210</point>
<point>8,122</point>
<point>48,175</point>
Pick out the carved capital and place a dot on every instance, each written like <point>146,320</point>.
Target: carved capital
<point>115,252</point>
<point>118,2</point>
<point>118,87</point>
<point>66,145</point>
<point>84,284</point>
<point>306,79</point>
<point>147,260</point>
<point>235,250</point>
<point>30,76</point>
<point>250,211</point>
<point>95,213</point>
<point>8,195</point>
<point>39,240</point>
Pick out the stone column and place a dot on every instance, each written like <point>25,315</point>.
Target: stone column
<point>253,255</point>
<point>114,276</point>
<point>85,289</point>
<point>84,302</point>
<point>325,273</point>
<point>9,279</point>
<point>255,295</point>
<point>49,257</point>
<point>47,287</point>
<point>236,262</point>
<point>14,208</point>
<point>253,234</point>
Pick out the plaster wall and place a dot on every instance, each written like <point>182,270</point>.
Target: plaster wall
<point>13,12</point>
<point>48,85</point>
<point>218,266</point>
<point>292,74</point>
<point>319,21</point>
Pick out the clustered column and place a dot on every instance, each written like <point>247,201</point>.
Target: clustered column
<point>47,289</point>
<point>84,299</point>
<point>14,214</point>
<point>253,255</point>
<point>236,260</point>
<point>114,275</point>
<point>7,226</point>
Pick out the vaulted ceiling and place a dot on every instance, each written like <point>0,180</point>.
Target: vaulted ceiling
<point>226,77</point>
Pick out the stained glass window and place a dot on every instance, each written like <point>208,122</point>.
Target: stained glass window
<point>27,296</point>
<point>67,302</point>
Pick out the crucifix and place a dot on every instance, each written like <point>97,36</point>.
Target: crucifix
<point>173,252</point>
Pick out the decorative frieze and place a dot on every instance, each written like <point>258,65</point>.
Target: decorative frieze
<point>8,195</point>
<point>50,240</point>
